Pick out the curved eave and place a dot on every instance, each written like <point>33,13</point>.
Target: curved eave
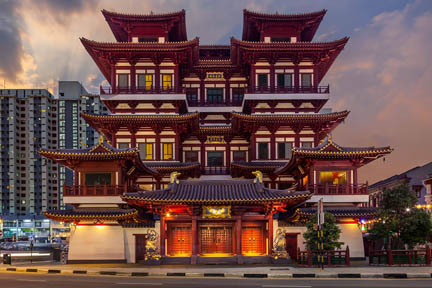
<point>285,17</point>
<point>343,154</point>
<point>71,216</point>
<point>62,156</point>
<point>335,116</point>
<point>342,213</point>
<point>294,47</point>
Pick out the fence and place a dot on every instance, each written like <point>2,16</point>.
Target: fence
<point>400,257</point>
<point>331,257</point>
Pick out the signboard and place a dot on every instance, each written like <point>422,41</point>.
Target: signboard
<point>214,75</point>
<point>215,140</point>
<point>216,212</point>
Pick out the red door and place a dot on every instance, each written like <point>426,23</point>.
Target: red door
<point>140,243</point>
<point>291,245</point>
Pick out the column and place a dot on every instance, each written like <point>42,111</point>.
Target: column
<point>228,152</point>
<point>297,139</point>
<point>133,139</point>
<point>296,76</point>
<point>202,91</point>
<point>272,146</point>
<point>238,227</point>
<point>355,180</point>
<point>113,77</point>
<point>158,145</point>
<point>177,146</point>
<point>252,79</point>
<point>157,77</point>
<point>162,234</point>
<point>133,78</point>
<point>194,240</point>
<point>253,147</point>
<point>176,79</point>
<point>202,151</point>
<point>272,77</point>
<point>114,139</point>
<point>270,233</point>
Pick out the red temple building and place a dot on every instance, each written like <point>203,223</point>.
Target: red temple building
<point>211,153</point>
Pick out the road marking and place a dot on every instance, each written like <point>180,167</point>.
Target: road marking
<point>285,286</point>
<point>31,280</point>
<point>141,283</point>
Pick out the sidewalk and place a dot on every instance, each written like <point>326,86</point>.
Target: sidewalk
<point>236,271</point>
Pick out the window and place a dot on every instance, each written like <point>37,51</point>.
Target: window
<point>263,150</point>
<point>98,179</point>
<point>215,159</point>
<point>123,80</point>
<point>285,80</point>
<point>215,95</point>
<point>239,155</point>
<point>145,81</point>
<point>237,95</point>
<point>166,81</point>
<point>306,144</point>
<point>192,95</point>
<point>281,39</point>
<point>146,151</point>
<point>333,177</point>
<point>417,189</point>
<point>284,150</point>
<point>167,151</point>
<point>147,39</point>
<point>262,80</point>
<point>306,80</point>
<point>191,156</point>
<point>123,145</point>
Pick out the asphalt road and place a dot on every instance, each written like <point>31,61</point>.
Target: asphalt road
<point>21,280</point>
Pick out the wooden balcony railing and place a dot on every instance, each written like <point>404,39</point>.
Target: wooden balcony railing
<point>215,170</point>
<point>94,190</point>
<point>107,90</point>
<point>290,89</point>
<point>218,103</point>
<point>339,189</point>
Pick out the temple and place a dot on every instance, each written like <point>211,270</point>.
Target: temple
<point>211,153</point>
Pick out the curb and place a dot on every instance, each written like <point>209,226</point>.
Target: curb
<point>224,275</point>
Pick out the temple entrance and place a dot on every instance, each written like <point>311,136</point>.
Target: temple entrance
<point>140,250</point>
<point>179,240</point>
<point>253,240</point>
<point>216,240</point>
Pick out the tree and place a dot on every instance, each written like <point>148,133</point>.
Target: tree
<point>331,233</point>
<point>398,222</point>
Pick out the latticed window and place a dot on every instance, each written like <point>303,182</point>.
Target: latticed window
<point>166,81</point>
<point>306,80</point>
<point>215,95</point>
<point>306,144</point>
<point>192,95</point>
<point>168,151</point>
<point>284,80</point>
<point>262,80</point>
<point>145,81</point>
<point>237,95</point>
<point>146,151</point>
<point>123,145</point>
<point>123,80</point>
<point>239,156</point>
<point>191,156</point>
<point>263,150</point>
<point>284,150</point>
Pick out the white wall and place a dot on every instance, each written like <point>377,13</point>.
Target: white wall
<point>353,237</point>
<point>99,242</point>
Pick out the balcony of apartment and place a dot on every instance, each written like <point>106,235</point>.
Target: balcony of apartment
<point>289,89</point>
<point>339,189</point>
<point>94,190</point>
<point>108,90</point>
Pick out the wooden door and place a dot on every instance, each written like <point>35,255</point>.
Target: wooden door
<point>252,241</point>
<point>291,245</point>
<point>140,250</point>
<point>216,240</point>
<point>180,241</point>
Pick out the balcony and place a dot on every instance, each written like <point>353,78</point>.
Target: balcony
<point>218,103</point>
<point>94,190</point>
<point>290,89</point>
<point>339,189</point>
<point>107,90</point>
<point>215,170</point>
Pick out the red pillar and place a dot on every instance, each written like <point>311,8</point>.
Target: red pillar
<point>297,140</point>
<point>253,147</point>
<point>272,146</point>
<point>157,77</point>
<point>355,180</point>
<point>252,78</point>
<point>202,91</point>
<point>162,234</point>
<point>176,79</point>
<point>202,151</point>
<point>227,92</point>
<point>133,139</point>
<point>133,78</point>
<point>272,77</point>
<point>228,155</point>
<point>270,233</point>
<point>238,227</point>
<point>113,77</point>
<point>158,146</point>
<point>296,76</point>
<point>194,240</point>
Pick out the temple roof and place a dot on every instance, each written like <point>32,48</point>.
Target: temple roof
<point>243,168</point>
<point>297,46</point>
<point>101,151</point>
<point>187,169</point>
<point>216,192</point>
<point>328,150</point>
<point>305,23</point>
<point>91,214</point>
<point>120,22</point>
<point>363,212</point>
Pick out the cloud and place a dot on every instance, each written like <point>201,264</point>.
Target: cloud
<point>11,49</point>
<point>383,77</point>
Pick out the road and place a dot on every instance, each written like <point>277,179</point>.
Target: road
<point>15,280</point>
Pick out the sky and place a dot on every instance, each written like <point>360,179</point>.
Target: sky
<point>382,76</point>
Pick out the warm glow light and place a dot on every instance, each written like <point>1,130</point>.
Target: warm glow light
<point>167,214</point>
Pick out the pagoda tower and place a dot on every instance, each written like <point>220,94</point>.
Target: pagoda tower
<point>211,151</point>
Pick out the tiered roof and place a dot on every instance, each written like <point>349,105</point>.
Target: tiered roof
<point>341,212</point>
<point>78,215</point>
<point>216,192</point>
<point>305,24</point>
<point>122,23</point>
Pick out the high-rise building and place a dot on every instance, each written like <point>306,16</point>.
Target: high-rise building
<point>74,132</point>
<point>29,183</point>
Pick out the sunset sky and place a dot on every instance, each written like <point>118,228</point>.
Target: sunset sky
<point>384,75</point>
